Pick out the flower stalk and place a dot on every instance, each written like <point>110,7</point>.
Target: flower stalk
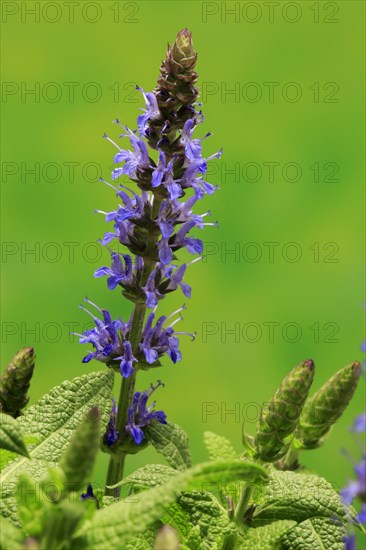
<point>154,224</point>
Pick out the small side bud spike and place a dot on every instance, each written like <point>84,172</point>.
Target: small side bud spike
<point>15,382</point>
<point>279,419</point>
<point>326,406</point>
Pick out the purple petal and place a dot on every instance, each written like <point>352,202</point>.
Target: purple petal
<point>165,252</point>
<point>102,271</point>
<point>137,434</point>
<point>151,355</point>
<point>126,368</point>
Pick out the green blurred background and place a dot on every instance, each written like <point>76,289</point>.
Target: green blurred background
<point>312,54</point>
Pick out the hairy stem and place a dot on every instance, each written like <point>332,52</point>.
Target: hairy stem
<point>242,504</point>
<point>290,460</point>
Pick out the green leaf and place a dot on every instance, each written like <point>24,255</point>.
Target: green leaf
<point>212,519</point>
<point>58,524</point>
<point>78,460</point>
<point>144,541</point>
<point>171,441</point>
<point>299,497</point>
<point>11,436</point>
<point>319,533</point>
<point>112,527</point>
<point>266,537</point>
<point>149,476</point>
<point>219,447</point>
<point>52,422</point>
<point>11,538</point>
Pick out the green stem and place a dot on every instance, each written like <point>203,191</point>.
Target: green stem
<point>242,504</point>
<point>117,460</point>
<point>290,460</point>
<point>115,473</point>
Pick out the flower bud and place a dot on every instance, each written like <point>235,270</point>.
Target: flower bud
<point>182,51</point>
<point>327,405</point>
<point>79,457</point>
<point>15,382</point>
<point>279,419</point>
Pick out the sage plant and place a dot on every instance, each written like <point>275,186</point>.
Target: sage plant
<point>259,498</point>
<point>153,222</point>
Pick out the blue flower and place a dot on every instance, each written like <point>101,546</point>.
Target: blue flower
<point>127,360</point>
<point>181,239</point>
<point>359,424</point>
<point>159,339</point>
<point>117,272</point>
<point>165,170</point>
<point>176,280</point>
<point>350,542</point>
<point>138,158</point>
<point>151,112</point>
<point>151,292</point>
<point>104,337</point>
<point>111,434</point>
<point>357,488</point>
<point>89,495</point>
<point>140,416</point>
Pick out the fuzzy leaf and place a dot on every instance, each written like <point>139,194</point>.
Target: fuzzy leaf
<point>112,527</point>
<point>211,518</point>
<point>219,447</point>
<point>298,497</point>
<point>147,477</point>
<point>319,533</point>
<point>266,537</point>
<point>11,436</point>
<point>52,422</point>
<point>78,460</point>
<point>144,541</point>
<point>171,441</point>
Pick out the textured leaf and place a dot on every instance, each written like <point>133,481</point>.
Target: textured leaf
<point>211,518</point>
<point>112,527</point>
<point>52,422</point>
<point>11,436</point>
<point>319,533</point>
<point>149,476</point>
<point>171,441</point>
<point>219,447</point>
<point>78,460</point>
<point>299,497</point>
<point>266,537</point>
<point>144,541</point>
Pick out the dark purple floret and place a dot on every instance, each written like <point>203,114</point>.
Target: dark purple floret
<point>140,416</point>
<point>111,434</point>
